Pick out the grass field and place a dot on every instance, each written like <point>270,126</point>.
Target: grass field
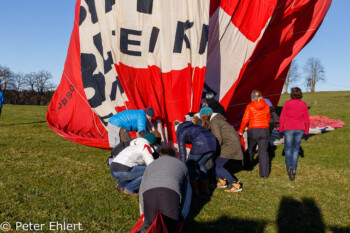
<point>45,178</point>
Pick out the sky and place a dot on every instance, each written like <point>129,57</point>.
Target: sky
<point>35,36</point>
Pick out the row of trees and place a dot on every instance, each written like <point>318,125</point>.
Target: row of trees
<point>30,88</point>
<point>313,74</point>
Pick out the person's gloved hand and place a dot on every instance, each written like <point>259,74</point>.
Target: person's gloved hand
<point>306,137</point>
<point>281,135</point>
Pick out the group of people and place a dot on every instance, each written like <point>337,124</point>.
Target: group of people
<point>166,184</point>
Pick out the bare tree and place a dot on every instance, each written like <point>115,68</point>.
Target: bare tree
<point>30,80</point>
<point>314,73</point>
<point>18,84</point>
<point>5,78</point>
<point>292,76</point>
<point>43,84</point>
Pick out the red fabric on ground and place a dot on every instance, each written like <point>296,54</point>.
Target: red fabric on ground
<point>322,121</point>
<point>158,226</point>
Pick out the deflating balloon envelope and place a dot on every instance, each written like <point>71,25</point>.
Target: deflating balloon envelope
<point>133,54</point>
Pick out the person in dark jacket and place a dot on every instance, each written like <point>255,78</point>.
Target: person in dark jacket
<point>214,104</point>
<point>165,188</point>
<point>121,123</point>
<point>203,146</point>
<point>230,147</point>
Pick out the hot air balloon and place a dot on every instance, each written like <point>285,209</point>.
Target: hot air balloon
<point>133,54</point>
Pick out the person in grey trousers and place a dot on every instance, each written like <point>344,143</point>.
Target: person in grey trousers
<point>165,188</point>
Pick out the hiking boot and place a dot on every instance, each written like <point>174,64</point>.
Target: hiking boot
<point>234,187</point>
<point>221,183</point>
<point>118,188</point>
<point>291,173</point>
<point>130,193</point>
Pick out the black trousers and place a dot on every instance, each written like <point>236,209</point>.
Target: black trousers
<point>165,201</point>
<point>261,137</point>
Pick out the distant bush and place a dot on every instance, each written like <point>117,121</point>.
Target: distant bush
<point>27,97</point>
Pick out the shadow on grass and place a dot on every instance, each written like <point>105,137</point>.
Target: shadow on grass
<point>293,216</point>
<point>336,229</point>
<point>299,216</point>
<point>24,123</point>
<point>225,224</point>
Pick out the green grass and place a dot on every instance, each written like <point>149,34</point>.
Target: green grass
<point>45,178</point>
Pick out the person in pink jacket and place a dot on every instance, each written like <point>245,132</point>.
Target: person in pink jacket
<point>294,124</point>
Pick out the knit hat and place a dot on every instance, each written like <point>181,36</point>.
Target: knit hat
<point>209,95</point>
<point>204,112</point>
<point>150,112</point>
<point>151,138</point>
<point>253,96</point>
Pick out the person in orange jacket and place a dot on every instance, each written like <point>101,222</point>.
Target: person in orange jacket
<point>257,115</point>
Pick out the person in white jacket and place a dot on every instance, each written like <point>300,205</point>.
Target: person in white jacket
<point>130,164</point>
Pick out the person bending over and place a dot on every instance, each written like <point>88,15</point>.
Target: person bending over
<point>165,188</point>
<point>203,146</point>
<point>130,164</point>
<point>120,124</point>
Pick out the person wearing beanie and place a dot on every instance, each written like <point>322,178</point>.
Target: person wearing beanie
<point>229,148</point>
<point>257,117</point>
<point>214,104</point>
<point>129,164</point>
<point>151,138</point>
<point>203,146</point>
<point>120,124</point>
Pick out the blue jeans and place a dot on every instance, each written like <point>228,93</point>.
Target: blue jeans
<point>292,141</point>
<point>201,160</point>
<point>221,171</point>
<point>130,180</point>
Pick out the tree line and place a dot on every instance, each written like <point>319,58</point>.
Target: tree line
<point>37,88</point>
<point>34,88</point>
<point>313,73</point>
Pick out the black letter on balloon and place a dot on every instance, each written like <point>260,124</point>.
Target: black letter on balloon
<point>82,15</point>
<point>180,36</point>
<point>92,10</point>
<point>204,39</point>
<point>124,41</point>
<point>108,5</point>
<point>107,63</point>
<point>145,6</point>
<point>153,40</point>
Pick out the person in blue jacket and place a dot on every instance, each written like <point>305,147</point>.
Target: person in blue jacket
<point>121,123</point>
<point>203,146</point>
<point>2,100</point>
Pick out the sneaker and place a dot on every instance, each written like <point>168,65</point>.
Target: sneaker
<point>118,188</point>
<point>130,193</point>
<point>291,173</point>
<point>234,187</point>
<point>221,183</point>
